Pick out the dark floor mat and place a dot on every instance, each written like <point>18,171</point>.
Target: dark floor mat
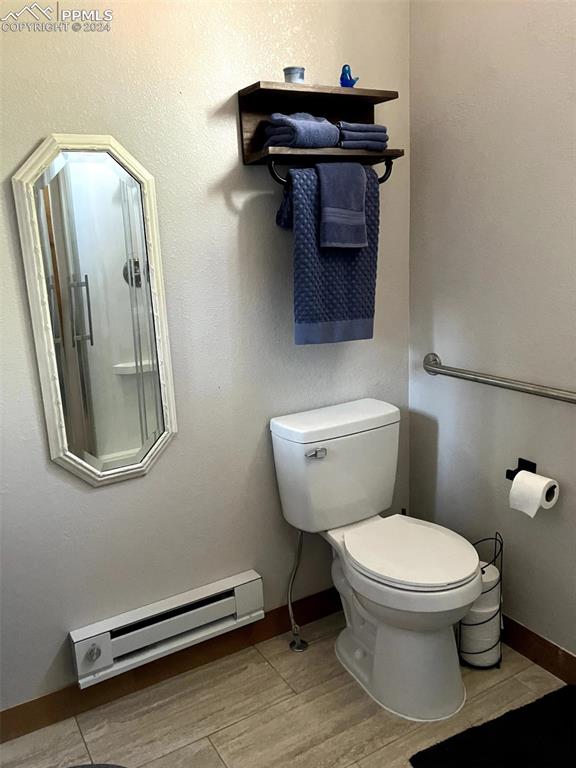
<point>539,735</point>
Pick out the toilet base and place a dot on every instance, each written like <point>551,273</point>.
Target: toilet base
<point>410,690</point>
<point>406,659</point>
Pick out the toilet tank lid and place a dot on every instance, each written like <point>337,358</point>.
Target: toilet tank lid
<point>335,421</point>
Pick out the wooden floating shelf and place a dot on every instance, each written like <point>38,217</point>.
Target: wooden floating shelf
<point>354,105</point>
<point>305,157</point>
<point>263,90</point>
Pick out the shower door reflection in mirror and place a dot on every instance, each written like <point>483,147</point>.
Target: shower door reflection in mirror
<point>95,246</point>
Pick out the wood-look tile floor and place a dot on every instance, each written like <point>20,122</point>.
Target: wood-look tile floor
<point>267,707</point>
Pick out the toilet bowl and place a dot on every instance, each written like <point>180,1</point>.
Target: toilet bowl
<point>399,641</point>
<point>404,582</point>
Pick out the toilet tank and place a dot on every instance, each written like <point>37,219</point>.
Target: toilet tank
<point>336,465</point>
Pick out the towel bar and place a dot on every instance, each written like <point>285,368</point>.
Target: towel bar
<point>433,365</point>
<point>388,161</point>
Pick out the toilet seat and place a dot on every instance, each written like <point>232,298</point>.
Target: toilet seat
<point>410,554</point>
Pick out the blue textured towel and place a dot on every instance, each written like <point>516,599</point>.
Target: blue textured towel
<point>369,127</point>
<point>363,136</point>
<point>342,194</point>
<point>300,130</point>
<point>373,146</point>
<point>334,288</point>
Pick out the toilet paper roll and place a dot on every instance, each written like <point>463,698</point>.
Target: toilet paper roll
<point>530,491</point>
<point>476,638</point>
<point>481,620</point>
<point>490,575</point>
<point>490,597</point>
<point>485,659</point>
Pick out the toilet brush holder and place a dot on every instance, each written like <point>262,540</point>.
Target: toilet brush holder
<point>480,631</point>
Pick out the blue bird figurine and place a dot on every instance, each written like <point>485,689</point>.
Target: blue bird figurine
<point>346,79</point>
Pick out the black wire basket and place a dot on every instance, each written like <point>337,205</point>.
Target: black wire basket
<point>491,552</point>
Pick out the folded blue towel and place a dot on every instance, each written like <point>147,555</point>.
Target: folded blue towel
<point>280,140</point>
<point>369,127</point>
<point>342,194</point>
<point>282,132</point>
<point>373,146</point>
<point>363,136</point>
<point>300,130</point>
<point>334,288</point>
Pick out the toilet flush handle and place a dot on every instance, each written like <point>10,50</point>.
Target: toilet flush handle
<point>317,453</point>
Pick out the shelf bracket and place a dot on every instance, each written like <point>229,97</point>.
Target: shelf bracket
<point>275,175</point>
<point>388,162</point>
<point>278,178</point>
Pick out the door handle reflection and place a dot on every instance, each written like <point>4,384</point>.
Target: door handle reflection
<point>80,336</point>
<point>89,310</point>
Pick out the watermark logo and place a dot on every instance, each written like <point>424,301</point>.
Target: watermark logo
<point>34,10</point>
<point>37,18</point>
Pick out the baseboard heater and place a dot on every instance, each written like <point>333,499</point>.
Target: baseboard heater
<point>108,648</point>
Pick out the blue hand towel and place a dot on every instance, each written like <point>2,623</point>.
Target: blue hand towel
<point>300,130</point>
<point>363,136</point>
<point>334,289</point>
<point>342,193</point>
<point>373,146</point>
<point>369,127</point>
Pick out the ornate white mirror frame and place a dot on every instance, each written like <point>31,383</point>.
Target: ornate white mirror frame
<point>23,185</point>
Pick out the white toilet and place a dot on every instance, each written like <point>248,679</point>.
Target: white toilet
<point>404,583</point>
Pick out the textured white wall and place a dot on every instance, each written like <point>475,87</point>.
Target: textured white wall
<point>163,82</point>
<point>493,282</point>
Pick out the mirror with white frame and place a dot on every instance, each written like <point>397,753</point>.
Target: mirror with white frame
<point>88,225</point>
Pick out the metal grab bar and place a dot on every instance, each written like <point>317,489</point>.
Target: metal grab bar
<point>433,365</point>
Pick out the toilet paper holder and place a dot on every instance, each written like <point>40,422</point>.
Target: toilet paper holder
<point>495,545</point>
<point>524,465</point>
